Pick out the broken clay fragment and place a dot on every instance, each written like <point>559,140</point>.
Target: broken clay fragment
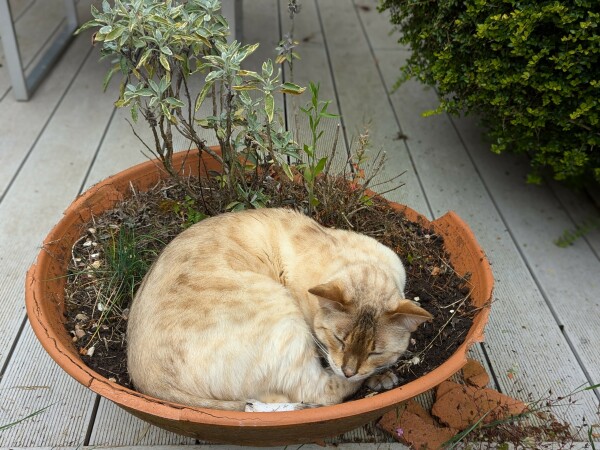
<point>475,374</point>
<point>460,406</point>
<point>416,427</point>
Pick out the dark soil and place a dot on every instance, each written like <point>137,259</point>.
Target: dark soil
<point>131,236</point>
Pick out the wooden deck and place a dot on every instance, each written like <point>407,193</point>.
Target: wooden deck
<point>544,328</point>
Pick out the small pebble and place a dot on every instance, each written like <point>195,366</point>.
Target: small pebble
<point>417,299</point>
<point>90,351</point>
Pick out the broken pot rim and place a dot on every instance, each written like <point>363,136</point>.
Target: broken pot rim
<point>69,360</point>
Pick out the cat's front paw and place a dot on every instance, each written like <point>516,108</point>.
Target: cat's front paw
<point>382,381</point>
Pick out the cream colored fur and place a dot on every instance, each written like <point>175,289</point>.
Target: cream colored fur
<point>225,314</point>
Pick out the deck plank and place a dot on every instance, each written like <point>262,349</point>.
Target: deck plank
<point>52,177</point>
<point>32,382</point>
<point>116,427</point>
<point>582,210</point>
<point>24,228</point>
<point>363,99</point>
<point>20,126</point>
<point>18,7</point>
<point>381,32</point>
<point>22,122</point>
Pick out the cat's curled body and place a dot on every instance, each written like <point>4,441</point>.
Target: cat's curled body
<point>236,306</point>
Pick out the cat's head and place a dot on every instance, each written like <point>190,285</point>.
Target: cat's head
<point>364,327</point>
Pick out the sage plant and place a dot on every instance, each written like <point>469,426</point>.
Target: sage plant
<point>159,48</point>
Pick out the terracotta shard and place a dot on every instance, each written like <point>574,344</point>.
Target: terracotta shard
<point>423,435</point>
<point>474,374</point>
<point>446,386</point>
<point>416,427</point>
<point>460,406</point>
<point>415,408</point>
<point>390,421</point>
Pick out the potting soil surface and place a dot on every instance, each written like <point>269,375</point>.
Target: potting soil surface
<point>130,237</point>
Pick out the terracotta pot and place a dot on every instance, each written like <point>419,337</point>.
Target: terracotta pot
<point>44,298</point>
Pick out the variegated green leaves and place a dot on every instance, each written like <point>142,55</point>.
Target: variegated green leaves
<point>155,44</point>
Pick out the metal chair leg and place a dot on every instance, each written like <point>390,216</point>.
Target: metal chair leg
<point>24,85</point>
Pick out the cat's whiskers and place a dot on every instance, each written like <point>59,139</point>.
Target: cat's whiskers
<point>322,352</point>
<point>320,346</point>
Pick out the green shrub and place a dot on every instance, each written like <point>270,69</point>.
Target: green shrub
<point>530,68</point>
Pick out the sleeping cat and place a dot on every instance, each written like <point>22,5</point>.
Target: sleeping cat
<point>245,305</point>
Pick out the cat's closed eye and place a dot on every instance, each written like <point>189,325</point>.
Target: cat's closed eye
<point>340,342</point>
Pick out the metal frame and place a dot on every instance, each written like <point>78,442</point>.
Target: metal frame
<point>24,85</point>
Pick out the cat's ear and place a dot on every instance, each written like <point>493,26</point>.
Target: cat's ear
<point>331,295</point>
<point>409,315</point>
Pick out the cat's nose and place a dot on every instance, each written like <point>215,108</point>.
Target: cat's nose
<point>348,372</point>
